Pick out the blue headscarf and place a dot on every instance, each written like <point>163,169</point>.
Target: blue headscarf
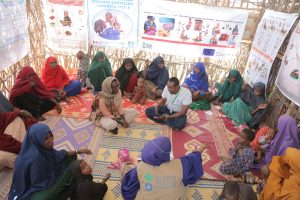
<point>157,151</point>
<point>36,168</point>
<point>159,76</point>
<point>198,81</point>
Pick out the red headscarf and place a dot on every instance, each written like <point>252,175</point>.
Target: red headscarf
<point>22,85</point>
<point>54,78</point>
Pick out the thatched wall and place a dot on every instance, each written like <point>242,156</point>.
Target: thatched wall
<point>178,66</point>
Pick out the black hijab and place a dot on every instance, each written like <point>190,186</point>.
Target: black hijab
<point>123,75</point>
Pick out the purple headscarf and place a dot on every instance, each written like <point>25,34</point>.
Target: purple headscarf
<point>157,151</point>
<point>287,136</point>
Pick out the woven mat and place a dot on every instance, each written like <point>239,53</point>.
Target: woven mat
<point>69,134</point>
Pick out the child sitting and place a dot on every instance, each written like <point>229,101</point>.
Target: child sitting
<point>139,92</point>
<point>235,191</point>
<point>264,142</point>
<point>83,67</point>
<point>262,139</point>
<point>86,188</point>
<point>242,156</point>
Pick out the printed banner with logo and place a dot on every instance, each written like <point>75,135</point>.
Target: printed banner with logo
<point>268,39</point>
<point>66,23</point>
<point>190,29</point>
<point>288,80</point>
<point>14,40</point>
<point>113,23</point>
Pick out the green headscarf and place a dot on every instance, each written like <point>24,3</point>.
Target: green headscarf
<point>230,90</point>
<point>99,70</point>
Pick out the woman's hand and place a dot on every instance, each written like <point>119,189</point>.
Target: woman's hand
<point>25,114</point>
<point>262,106</point>
<point>58,108</point>
<point>84,151</point>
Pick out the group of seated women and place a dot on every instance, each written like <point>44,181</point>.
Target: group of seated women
<point>41,172</point>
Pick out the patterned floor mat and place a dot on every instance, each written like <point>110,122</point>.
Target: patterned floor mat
<point>206,128</point>
<point>132,138</point>
<point>69,134</point>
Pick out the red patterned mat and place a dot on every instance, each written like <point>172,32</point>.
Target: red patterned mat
<point>210,128</point>
<point>141,118</point>
<point>80,107</point>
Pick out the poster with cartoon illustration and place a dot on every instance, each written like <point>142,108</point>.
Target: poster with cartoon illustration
<point>288,80</point>
<point>191,30</point>
<point>269,36</point>
<point>113,23</point>
<point>14,40</point>
<point>66,23</point>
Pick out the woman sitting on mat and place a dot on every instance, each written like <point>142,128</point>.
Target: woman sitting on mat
<point>284,180</point>
<point>56,79</point>
<point>29,93</point>
<point>197,83</point>
<point>107,110</point>
<point>127,75</point>
<point>286,136</point>
<point>250,108</point>
<point>158,177</point>
<point>99,70</point>
<point>231,87</point>
<point>13,124</point>
<point>42,172</point>
<point>156,76</point>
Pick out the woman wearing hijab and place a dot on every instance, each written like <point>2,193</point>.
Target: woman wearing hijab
<point>99,69</point>
<point>56,79</point>
<point>85,187</point>
<point>127,74</point>
<point>107,107</point>
<point>13,124</point>
<point>158,177</point>
<point>286,136</point>
<point>250,108</point>
<point>197,83</point>
<point>30,94</point>
<point>231,87</point>
<point>42,172</point>
<point>156,76</point>
<point>284,180</point>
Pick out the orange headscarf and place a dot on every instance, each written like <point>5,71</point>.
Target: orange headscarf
<point>54,78</point>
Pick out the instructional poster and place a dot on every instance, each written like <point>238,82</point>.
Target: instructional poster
<point>268,39</point>
<point>288,80</point>
<point>113,23</point>
<point>14,40</point>
<point>190,29</point>
<point>66,23</point>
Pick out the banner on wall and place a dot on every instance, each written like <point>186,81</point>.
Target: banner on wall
<point>14,40</point>
<point>268,39</point>
<point>288,80</point>
<point>190,29</point>
<point>66,25</point>
<point>113,23</point>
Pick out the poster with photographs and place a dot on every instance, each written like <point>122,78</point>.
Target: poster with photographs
<point>113,23</point>
<point>14,40</point>
<point>190,29</point>
<point>288,80</point>
<point>268,39</point>
<point>66,23</point>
